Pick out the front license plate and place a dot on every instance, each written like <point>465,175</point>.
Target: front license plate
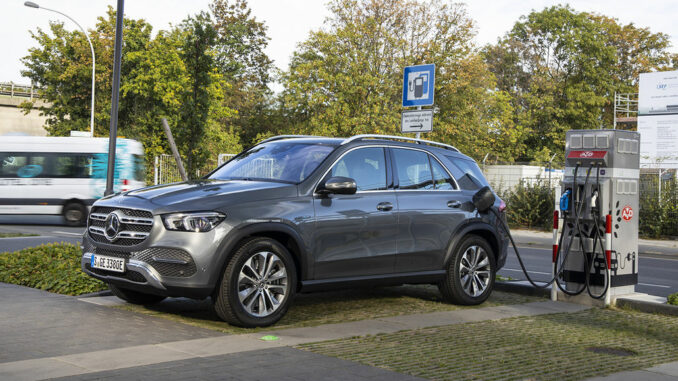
<point>108,263</point>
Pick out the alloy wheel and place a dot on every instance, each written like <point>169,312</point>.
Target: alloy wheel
<point>474,271</point>
<point>262,284</point>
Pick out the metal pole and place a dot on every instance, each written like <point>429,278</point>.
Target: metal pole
<point>614,116</point>
<point>155,172</point>
<point>175,152</point>
<point>418,136</point>
<point>550,170</point>
<point>117,56</point>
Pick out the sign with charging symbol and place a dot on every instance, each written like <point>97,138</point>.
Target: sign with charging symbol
<point>418,85</point>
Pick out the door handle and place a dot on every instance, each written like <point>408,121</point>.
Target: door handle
<point>453,204</point>
<point>384,206</point>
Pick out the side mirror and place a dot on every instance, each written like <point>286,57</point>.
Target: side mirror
<point>483,199</point>
<point>338,185</point>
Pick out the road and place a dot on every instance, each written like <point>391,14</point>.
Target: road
<point>658,264</point>
<point>657,276</point>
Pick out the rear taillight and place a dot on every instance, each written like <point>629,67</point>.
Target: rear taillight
<point>125,186</point>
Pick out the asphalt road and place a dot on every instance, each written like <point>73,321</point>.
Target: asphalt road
<point>657,276</point>
<point>55,232</point>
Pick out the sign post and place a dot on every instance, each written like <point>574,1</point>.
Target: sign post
<point>418,90</point>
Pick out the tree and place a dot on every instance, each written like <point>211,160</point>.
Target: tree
<point>561,69</point>
<point>62,66</point>
<point>173,75</point>
<point>348,79</point>
<point>240,58</point>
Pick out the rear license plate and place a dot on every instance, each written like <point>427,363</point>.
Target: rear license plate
<point>108,263</point>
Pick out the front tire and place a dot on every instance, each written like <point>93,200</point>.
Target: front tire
<point>135,297</point>
<point>470,275</point>
<point>258,284</point>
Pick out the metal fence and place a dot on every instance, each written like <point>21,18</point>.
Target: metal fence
<point>17,90</point>
<point>165,169</point>
<point>658,196</point>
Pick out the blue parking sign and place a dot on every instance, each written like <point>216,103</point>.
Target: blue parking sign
<point>418,84</point>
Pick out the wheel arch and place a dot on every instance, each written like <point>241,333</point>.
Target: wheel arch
<point>481,229</point>
<point>286,235</point>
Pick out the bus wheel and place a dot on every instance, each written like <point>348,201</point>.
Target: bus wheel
<point>75,214</point>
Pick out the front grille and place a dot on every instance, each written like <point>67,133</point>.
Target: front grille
<point>135,225</point>
<point>166,261</point>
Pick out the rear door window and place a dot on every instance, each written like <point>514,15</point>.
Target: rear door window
<point>413,168</point>
<point>441,178</point>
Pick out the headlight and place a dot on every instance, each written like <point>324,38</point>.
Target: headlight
<point>192,222</point>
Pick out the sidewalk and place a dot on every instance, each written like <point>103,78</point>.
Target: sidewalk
<point>536,238</point>
<point>49,336</point>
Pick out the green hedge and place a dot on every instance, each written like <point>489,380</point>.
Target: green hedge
<point>530,205</point>
<point>673,299</point>
<point>52,267</point>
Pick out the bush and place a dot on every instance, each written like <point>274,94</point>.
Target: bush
<point>673,299</point>
<point>658,218</point>
<point>530,205</point>
<point>52,267</point>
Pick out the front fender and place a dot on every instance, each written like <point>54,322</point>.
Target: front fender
<point>229,244</point>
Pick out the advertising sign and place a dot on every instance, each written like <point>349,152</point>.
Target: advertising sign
<point>658,119</point>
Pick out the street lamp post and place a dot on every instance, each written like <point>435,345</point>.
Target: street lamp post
<point>31,4</point>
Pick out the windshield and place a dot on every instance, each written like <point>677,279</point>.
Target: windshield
<point>276,161</point>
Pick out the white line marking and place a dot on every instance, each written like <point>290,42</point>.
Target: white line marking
<point>653,285</point>
<point>68,233</point>
<point>529,271</point>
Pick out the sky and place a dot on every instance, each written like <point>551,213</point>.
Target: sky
<point>290,21</point>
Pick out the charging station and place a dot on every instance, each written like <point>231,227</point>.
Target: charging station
<point>598,247</point>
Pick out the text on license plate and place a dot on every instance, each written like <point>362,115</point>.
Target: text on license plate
<point>108,263</point>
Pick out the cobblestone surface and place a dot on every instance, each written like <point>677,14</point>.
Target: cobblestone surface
<point>569,346</point>
<point>35,324</point>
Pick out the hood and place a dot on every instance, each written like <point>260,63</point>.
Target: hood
<point>201,195</point>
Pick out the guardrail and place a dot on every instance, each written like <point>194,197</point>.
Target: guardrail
<point>18,90</point>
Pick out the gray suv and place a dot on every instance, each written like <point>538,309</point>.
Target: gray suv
<point>301,214</point>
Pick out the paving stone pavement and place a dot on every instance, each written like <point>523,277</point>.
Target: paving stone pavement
<point>280,364</point>
<point>36,324</point>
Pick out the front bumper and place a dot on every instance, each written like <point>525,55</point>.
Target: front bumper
<point>168,263</point>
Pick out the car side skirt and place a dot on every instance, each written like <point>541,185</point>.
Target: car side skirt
<point>420,277</point>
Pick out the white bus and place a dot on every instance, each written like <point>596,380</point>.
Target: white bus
<point>63,175</point>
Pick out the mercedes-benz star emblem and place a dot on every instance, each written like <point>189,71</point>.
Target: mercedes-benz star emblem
<point>111,227</point>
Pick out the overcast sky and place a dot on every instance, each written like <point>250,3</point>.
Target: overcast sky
<point>289,21</point>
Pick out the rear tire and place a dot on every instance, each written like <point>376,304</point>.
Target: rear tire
<point>258,284</point>
<point>135,297</point>
<point>469,279</point>
<point>75,214</point>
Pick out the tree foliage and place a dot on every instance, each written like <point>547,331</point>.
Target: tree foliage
<point>561,69</point>
<point>347,78</point>
<point>174,75</point>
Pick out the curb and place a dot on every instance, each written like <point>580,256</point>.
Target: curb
<point>649,307</point>
<point>96,294</point>
<point>521,288</point>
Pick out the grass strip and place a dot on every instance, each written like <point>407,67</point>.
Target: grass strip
<point>53,267</point>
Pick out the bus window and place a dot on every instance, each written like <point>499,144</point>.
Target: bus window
<point>12,164</point>
<point>139,170</point>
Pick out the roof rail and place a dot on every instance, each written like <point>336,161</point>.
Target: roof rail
<point>281,137</point>
<point>392,137</point>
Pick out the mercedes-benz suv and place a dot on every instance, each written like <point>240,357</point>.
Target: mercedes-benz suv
<point>301,214</point>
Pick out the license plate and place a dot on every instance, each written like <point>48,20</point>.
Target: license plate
<point>108,263</point>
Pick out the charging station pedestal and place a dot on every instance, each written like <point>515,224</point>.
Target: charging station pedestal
<point>608,200</point>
